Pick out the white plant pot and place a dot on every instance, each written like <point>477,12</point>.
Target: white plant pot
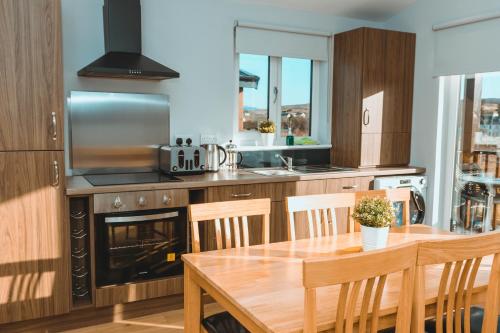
<point>374,238</point>
<point>267,139</point>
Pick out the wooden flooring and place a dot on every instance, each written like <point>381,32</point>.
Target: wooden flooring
<point>166,322</point>
<point>163,315</point>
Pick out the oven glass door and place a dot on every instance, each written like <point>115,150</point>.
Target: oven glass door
<point>137,246</point>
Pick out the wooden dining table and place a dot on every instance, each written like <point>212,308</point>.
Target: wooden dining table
<point>261,286</point>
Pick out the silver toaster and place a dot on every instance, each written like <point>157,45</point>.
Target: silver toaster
<point>182,159</point>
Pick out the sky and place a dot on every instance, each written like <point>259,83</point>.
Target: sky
<point>491,85</point>
<point>296,78</point>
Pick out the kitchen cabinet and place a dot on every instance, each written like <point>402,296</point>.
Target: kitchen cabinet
<point>31,86</point>
<point>34,260</point>
<point>372,97</point>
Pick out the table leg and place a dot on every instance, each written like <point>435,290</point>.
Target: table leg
<point>418,308</point>
<point>192,303</point>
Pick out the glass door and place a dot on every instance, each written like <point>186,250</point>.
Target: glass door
<point>476,198</point>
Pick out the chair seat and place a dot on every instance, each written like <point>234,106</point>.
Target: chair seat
<point>223,323</point>
<point>476,322</point>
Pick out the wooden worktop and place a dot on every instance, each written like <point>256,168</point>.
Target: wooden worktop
<point>78,185</point>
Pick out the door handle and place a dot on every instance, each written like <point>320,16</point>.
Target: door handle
<point>366,117</point>
<point>54,125</point>
<point>55,174</point>
<point>350,187</point>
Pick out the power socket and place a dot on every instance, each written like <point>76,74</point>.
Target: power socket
<point>206,139</point>
<point>184,137</point>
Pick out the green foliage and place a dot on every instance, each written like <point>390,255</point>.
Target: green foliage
<point>374,212</point>
<point>267,126</point>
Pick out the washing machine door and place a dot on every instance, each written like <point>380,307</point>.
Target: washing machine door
<point>417,207</point>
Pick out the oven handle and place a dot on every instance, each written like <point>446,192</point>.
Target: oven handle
<point>140,218</point>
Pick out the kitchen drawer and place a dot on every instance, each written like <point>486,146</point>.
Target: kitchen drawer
<point>348,185</point>
<point>274,191</point>
<point>143,200</point>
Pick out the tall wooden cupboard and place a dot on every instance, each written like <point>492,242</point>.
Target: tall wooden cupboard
<point>34,263</point>
<point>372,97</point>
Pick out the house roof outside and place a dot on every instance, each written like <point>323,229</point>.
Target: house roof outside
<point>248,80</point>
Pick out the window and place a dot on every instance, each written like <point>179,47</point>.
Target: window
<point>477,166</point>
<point>253,91</point>
<point>296,91</point>
<point>279,89</point>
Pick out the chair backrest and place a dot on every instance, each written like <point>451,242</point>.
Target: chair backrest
<point>402,195</point>
<point>462,259</point>
<point>359,275</point>
<point>229,211</point>
<point>320,209</point>
<point>321,218</point>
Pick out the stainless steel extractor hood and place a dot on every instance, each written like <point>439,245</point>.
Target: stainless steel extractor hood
<point>123,46</point>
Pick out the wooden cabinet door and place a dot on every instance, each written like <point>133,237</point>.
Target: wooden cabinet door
<point>372,113</point>
<point>34,256</point>
<point>346,185</point>
<point>398,86</point>
<point>31,90</point>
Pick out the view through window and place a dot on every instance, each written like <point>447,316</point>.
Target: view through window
<point>476,199</point>
<point>279,89</point>
<point>253,91</point>
<point>296,89</point>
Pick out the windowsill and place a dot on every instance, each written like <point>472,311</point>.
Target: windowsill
<point>296,147</point>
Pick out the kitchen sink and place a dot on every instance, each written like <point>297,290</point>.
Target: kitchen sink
<point>320,169</point>
<point>275,172</point>
<point>303,169</point>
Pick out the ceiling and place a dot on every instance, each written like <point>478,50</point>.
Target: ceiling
<point>375,10</point>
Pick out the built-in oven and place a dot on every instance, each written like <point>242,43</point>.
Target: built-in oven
<point>139,245</point>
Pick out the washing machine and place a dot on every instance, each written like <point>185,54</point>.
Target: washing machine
<point>418,187</point>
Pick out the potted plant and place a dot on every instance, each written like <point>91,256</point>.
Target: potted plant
<point>267,130</point>
<point>375,216</point>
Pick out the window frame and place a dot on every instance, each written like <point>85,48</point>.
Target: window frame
<point>274,102</point>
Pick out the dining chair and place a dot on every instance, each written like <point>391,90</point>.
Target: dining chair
<point>394,195</point>
<point>462,260</point>
<point>320,209</point>
<point>231,213</point>
<point>358,276</point>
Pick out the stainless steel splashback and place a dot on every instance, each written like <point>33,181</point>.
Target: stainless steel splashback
<point>117,132</point>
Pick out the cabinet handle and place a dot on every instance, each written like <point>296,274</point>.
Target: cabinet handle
<point>54,126</point>
<point>55,174</point>
<point>142,201</point>
<point>166,199</point>
<point>350,187</point>
<point>242,195</point>
<point>366,117</point>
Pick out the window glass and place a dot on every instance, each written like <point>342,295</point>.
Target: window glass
<point>477,163</point>
<point>296,86</point>
<point>253,91</point>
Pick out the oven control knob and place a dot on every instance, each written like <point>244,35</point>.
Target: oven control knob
<point>142,201</point>
<point>117,203</point>
<point>166,199</point>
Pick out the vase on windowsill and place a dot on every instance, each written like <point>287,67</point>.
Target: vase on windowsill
<point>267,131</point>
<point>375,215</point>
<point>267,139</point>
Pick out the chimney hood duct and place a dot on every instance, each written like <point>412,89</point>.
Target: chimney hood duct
<point>123,46</point>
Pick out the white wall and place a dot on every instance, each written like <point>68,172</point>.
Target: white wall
<point>194,37</point>
<point>427,135</point>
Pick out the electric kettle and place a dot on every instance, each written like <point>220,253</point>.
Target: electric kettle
<point>213,154</point>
